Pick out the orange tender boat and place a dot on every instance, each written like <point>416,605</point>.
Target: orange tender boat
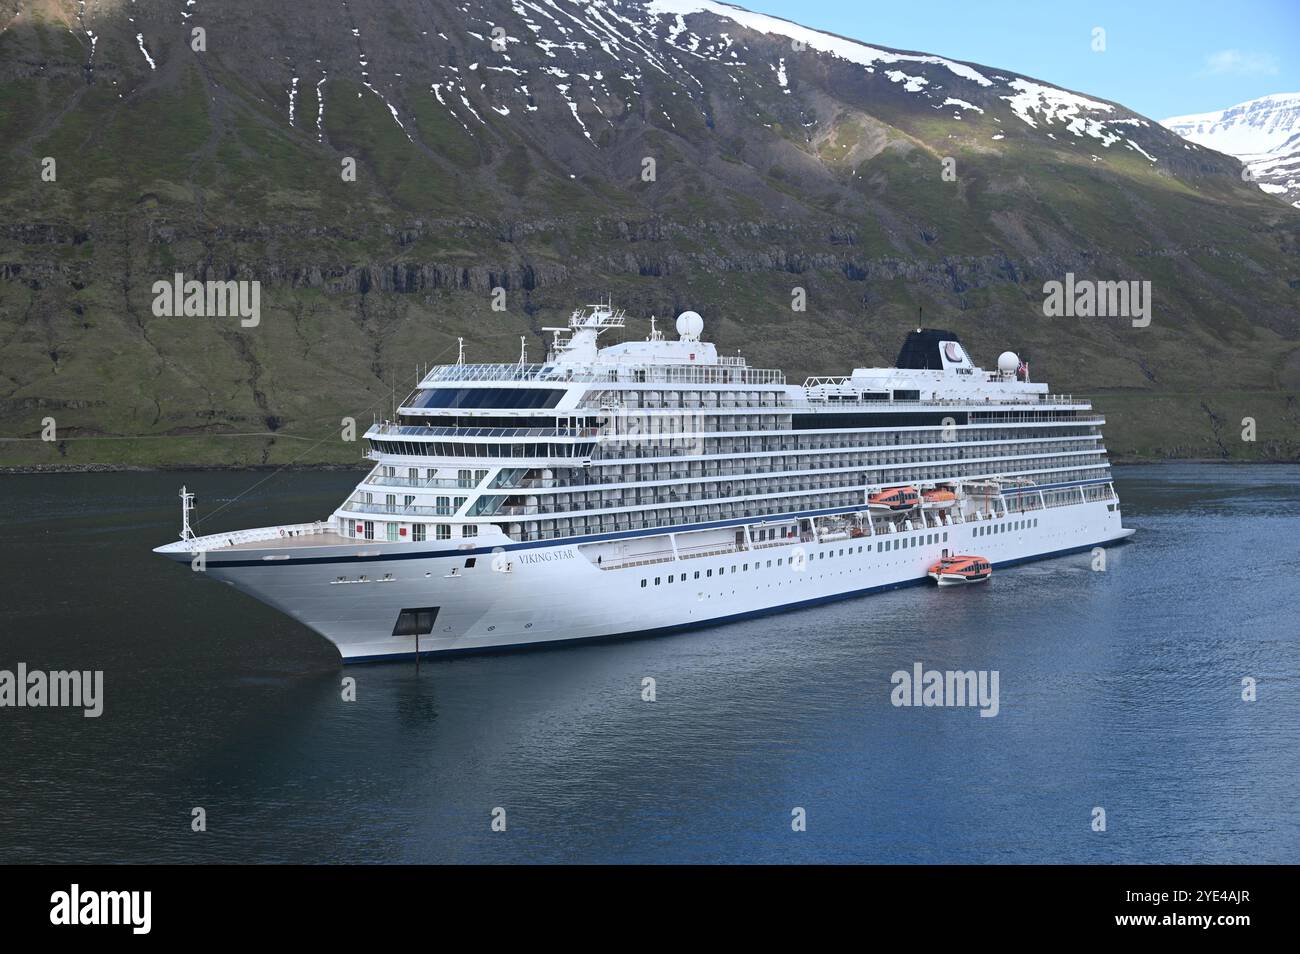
<point>961,569</point>
<point>894,498</point>
<point>938,499</point>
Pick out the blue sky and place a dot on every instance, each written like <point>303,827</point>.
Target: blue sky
<point>1162,57</point>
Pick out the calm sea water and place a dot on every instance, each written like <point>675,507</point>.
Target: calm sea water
<point>1119,689</point>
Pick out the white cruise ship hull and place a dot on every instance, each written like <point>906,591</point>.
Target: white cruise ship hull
<point>556,592</point>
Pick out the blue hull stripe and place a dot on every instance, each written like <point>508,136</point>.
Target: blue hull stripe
<point>702,624</point>
<point>573,541</point>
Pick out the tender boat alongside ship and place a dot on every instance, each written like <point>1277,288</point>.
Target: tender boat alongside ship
<point>655,485</point>
<point>961,569</point>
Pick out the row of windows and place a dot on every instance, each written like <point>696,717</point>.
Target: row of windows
<point>488,398</point>
<point>687,399</point>
<point>456,450</point>
<point>903,544</point>
<point>780,561</point>
<point>1007,527</point>
<point>397,532</point>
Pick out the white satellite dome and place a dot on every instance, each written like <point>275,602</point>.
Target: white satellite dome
<point>690,324</point>
<point>1008,362</point>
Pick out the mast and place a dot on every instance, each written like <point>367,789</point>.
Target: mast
<point>187,504</point>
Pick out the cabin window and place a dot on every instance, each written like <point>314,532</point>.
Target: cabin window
<point>370,530</point>
<point>417,532</point>
<point>670,578</point>
<point>643,582</point>
<point>443,531</point>
<point>469,562</point>
<point>392,533</point>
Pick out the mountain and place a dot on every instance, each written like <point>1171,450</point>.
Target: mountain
<point>1263,133</point>
<point>674,154</point>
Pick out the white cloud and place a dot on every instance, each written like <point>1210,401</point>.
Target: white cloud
<point>1235,61</point>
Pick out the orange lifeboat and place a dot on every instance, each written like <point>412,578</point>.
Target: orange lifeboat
<point>894,498</point>
<point>938,499</point>
<point>961,569</point>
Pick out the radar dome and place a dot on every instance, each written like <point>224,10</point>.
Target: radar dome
<point>1008,362</point>
<point>689,324</point>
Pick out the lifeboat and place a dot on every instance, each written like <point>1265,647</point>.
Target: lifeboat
<point>938,499</point>
<point>894,498</point>
<point>960,569</point>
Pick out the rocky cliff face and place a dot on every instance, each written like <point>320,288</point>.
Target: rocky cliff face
<point>674,154</point>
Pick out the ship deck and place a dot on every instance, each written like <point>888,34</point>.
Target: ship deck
<point>326,539</point>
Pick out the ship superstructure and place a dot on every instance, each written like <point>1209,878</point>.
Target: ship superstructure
<point>654,485</point>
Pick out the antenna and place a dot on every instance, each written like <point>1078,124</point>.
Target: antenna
<point>460,350</point>
<point>523,350</point>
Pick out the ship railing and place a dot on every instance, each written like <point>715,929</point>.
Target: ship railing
<point>666,556</point>
<point>728,370</point>
<point>1034,400</point>
<point>217,541</point>
<point>445,483</point>
<point>397,510</point>
<point>421,430</point>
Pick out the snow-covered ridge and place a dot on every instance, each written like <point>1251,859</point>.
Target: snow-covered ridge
<point>1255,127</point>
<point>850,50</point>
<point>1263,133</point>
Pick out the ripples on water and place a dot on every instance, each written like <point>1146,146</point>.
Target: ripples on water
<point>1118,689</point>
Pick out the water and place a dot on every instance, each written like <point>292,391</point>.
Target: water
<point>1119,689</point>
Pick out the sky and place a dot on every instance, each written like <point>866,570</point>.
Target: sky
<point>1162,58</point>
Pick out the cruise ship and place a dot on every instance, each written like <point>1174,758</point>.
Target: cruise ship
<point>655,485</point>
